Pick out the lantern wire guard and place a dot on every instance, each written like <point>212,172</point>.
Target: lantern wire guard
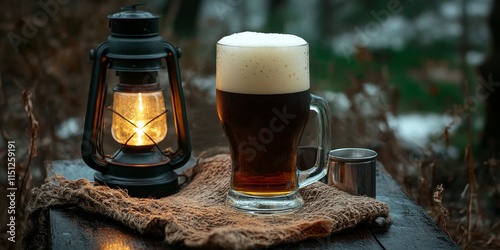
<point>135,51</point>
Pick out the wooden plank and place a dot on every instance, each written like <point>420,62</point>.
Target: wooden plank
<point>72,169</point>
<point>412,228</point>
<point>357,238</point>
<point>73,228</point>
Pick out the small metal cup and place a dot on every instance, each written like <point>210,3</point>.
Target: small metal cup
<point>353,170</point>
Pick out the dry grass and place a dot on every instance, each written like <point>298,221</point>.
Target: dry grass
<point>40,87</point>
<point>447,189</point>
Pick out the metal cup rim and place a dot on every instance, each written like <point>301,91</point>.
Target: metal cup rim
<point>348,154</point>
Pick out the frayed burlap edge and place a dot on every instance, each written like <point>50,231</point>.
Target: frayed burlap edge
<point>197,216</point>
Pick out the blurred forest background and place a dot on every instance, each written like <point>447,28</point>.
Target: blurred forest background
<point>413,80</point>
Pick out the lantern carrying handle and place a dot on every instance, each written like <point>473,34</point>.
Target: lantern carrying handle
<point>183,153</point>
<point>95,109</point>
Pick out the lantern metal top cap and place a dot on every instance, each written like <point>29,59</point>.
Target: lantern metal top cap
<point>133,22</point>
<point>131,12</point>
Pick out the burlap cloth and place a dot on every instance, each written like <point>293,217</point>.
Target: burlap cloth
<point>197,216</point>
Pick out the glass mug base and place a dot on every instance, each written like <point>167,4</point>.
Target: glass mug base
<point>264,204</point>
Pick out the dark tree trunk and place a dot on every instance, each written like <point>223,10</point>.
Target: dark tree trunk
<point>187,18</point>
<point>489,70</point>
<point>327,10</point>
<point>275,21</point>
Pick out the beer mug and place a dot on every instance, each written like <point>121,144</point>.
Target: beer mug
<point>263,104</point>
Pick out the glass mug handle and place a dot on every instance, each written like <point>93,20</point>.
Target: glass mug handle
<point>319,170</point>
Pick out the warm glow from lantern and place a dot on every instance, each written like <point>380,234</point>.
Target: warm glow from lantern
<point>139,111</point>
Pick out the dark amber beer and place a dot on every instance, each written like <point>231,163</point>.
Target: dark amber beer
<point>263,103</point>
<point>263,133</point>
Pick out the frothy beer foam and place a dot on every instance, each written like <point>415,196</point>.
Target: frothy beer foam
<point>260,63</point>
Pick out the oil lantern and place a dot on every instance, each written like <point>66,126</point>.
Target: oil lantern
<point>137,55</point>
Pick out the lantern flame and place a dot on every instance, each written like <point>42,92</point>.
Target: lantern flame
<point>139,118</point>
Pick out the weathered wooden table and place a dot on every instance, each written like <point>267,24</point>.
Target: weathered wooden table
<point>412,228</point>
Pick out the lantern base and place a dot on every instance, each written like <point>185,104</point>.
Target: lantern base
<point>156,186</point>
